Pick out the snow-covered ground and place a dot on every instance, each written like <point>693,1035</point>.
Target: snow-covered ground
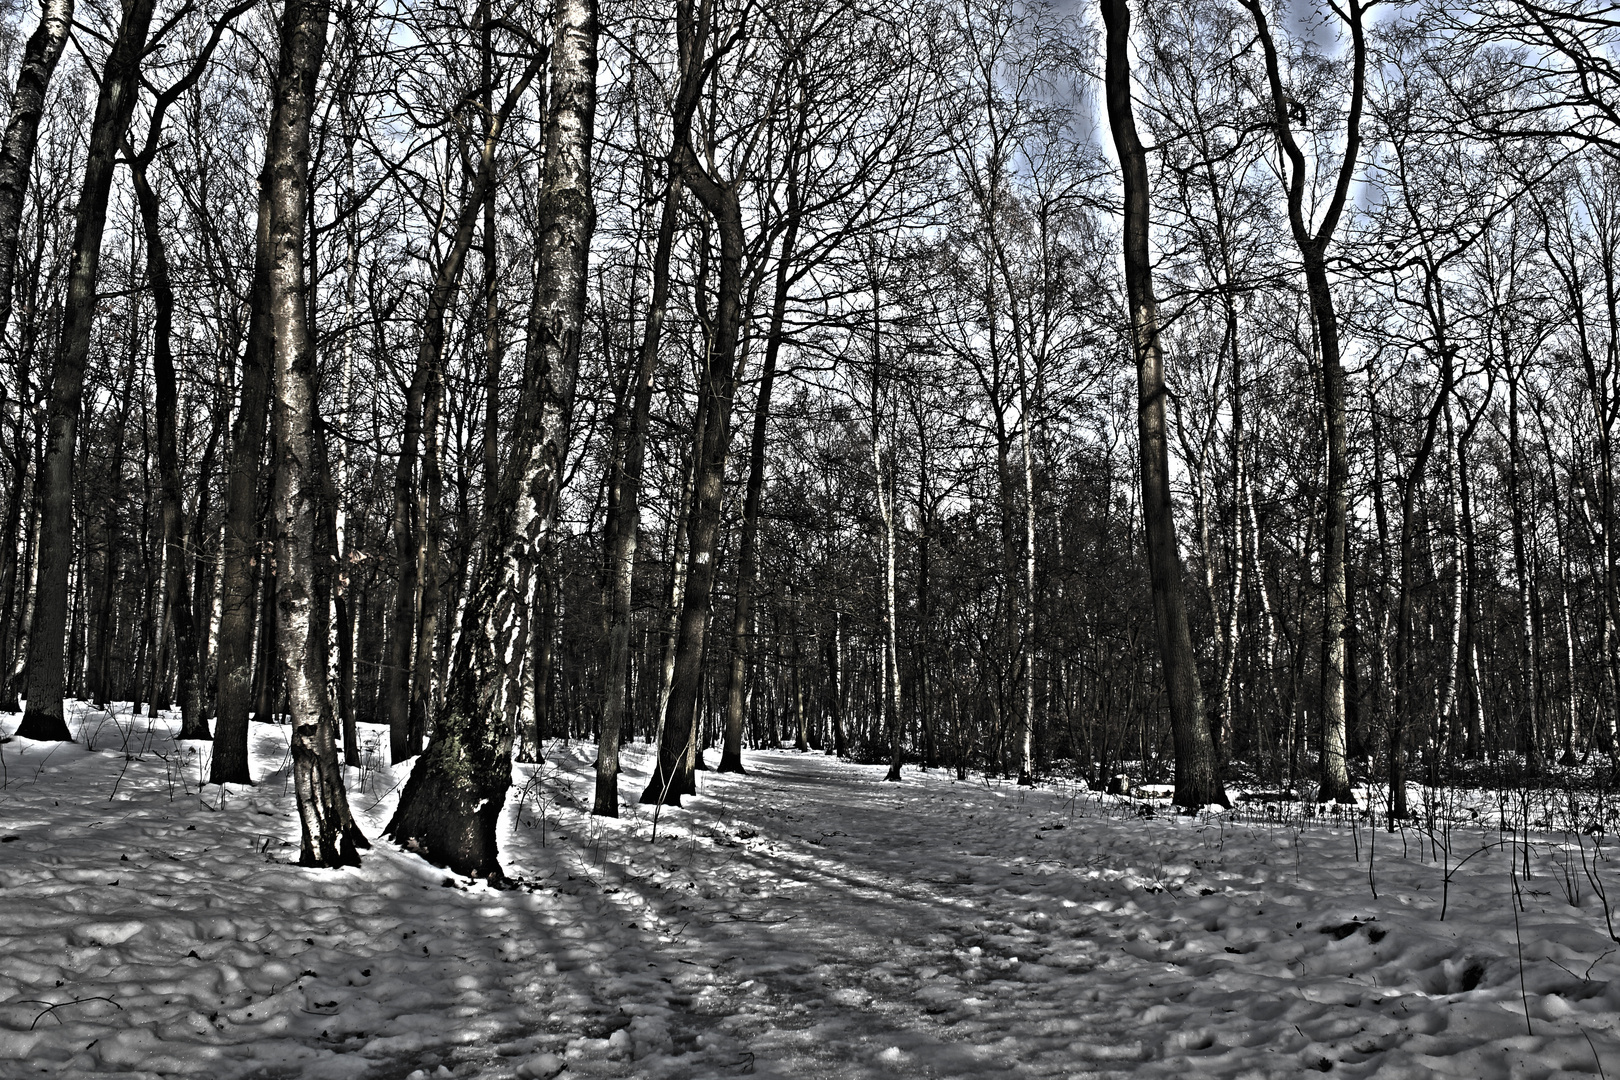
<point>807,920</point>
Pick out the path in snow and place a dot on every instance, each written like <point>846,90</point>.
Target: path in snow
<point>805,921</point>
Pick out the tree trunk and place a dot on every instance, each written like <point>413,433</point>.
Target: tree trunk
<point>431,533</point>
<point>243,562</point>
<point>177,578</point>
<point>342,542</point>
<point>492,291</point>
<point>1026,733</point>
<point>1313,247</point>
<point>402,634</point>
<point>455,794</point>
<point>720,201</point>
<point>1196,782</point>
<point>1529,620</point>
<point>329,834</point>
<point>540,688</point>
<point>835,686</point>
<point>11,563</point>
<point>801,734</point>
<point>267,698</point>
<point>889,696</point>
<point>1403,717</point>
<point>120,82</point>
<point>111,537</point>
<point>39,59</point>
<point>29,574</point>
<point>1561,519</point>
<point>748,558</point>
<point>624,524</point>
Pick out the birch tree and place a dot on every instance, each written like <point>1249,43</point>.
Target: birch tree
<point>455,794</point>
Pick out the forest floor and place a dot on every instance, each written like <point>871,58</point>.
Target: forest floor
<point>804,921</point>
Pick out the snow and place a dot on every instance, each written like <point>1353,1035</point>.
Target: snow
<point>807,920</point>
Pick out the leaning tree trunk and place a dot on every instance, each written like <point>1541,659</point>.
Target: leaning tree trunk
<point>453,800</point>
<point>330,836</point>
<point>120,84</point>
<point>670,780</point>
<point>40,55</point>
<point>1196,781</point>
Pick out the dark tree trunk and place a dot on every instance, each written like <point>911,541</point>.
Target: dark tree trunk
<point>120,82</point>
<point>543,683</point>
<point>244,565</point>
<point>267,698</point>
<point>176,561</point>
<point>671,779</point>
<point>112,546</point>
<point>402,634</point>
<point>835,686</point>
<point>1197,783</point>
<point>1403,719</point>
<point>1530,692</point>
<point>428,565</point>
<point>1313,247</point>
<point>748,561</point>
<point>11,563</point>
<point>624,522</point>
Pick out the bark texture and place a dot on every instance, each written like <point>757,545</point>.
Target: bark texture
<point>243,562</point>
<point>40,55</point>
<point>120,86</point>
<point>624,523</point>
<point>455,794</point>
<point>329,834</point>
<point>748,560</point>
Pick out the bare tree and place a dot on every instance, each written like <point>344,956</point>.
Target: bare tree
<point>330,836</point>
<point>1313,244</point>
<point>455,794</point>
<point>115,103</point>
<point>1196,781</point>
